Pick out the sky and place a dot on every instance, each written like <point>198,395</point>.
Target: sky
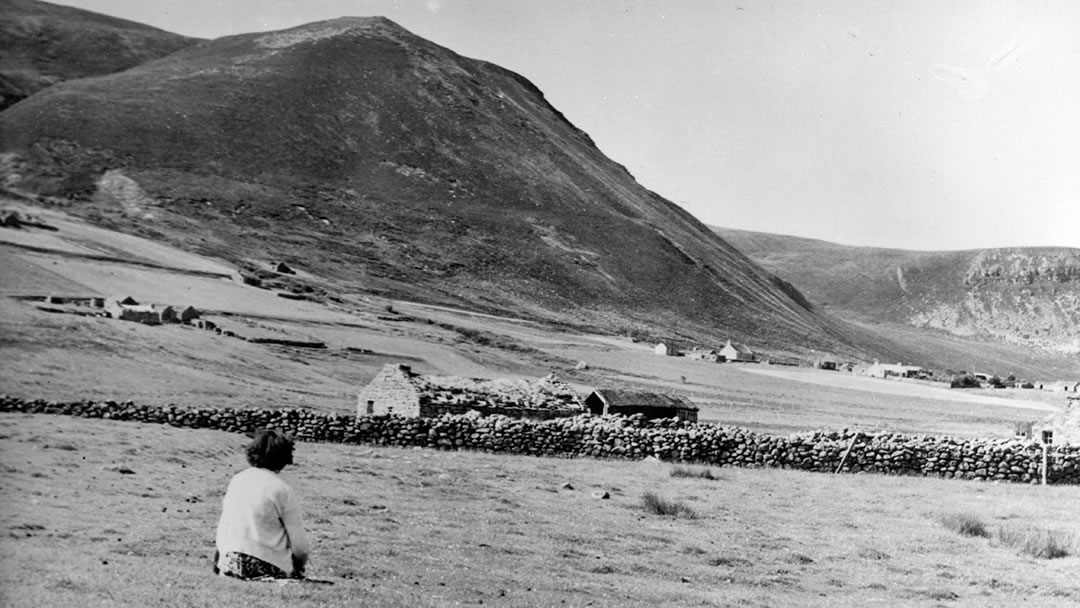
<point>912,124</point>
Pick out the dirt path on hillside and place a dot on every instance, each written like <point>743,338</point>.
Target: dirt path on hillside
<point>904,389</point>
<point>60,253</point>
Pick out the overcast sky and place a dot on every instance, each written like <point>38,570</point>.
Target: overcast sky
<point>917,124</point>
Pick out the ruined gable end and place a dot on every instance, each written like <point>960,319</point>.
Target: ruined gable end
<point>394,390</point>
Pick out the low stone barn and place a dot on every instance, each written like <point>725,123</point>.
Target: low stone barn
<point>651,405</point>
<point>396,389</point>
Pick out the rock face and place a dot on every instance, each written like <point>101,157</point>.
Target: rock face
<point>1019,296</point>
<point>1024,296</point>
<point>368,155</point>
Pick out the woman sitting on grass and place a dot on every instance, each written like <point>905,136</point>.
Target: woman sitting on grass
<point>260,533</point>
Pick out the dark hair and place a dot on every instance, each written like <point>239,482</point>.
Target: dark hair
<point>270,449</point>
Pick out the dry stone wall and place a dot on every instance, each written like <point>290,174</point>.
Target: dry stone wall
<point>618,437</point>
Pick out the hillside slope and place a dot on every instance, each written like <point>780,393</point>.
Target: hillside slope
<point>1022,296</point>
<point>360,152</point>
<point>42,44</point>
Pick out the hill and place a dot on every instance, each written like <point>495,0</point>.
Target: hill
<point>42,44</point>
<point>1028,297</point>
<point>368,156</point>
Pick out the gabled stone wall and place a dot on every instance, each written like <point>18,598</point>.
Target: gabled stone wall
<point>392,391</point>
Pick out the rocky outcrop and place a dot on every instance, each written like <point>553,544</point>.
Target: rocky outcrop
<point>1019,296</point>
<point>1022,267</point>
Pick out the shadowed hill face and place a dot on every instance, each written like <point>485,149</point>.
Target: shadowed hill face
<point>360,152</point>
<point>42,44</point>
<point>1028,296</point>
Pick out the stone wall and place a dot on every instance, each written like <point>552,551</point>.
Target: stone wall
<point>618,437</point>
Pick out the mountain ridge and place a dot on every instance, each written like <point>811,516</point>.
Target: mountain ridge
<point>364,153</point>
<point>42,44</point>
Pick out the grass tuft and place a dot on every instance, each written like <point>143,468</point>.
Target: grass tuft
<point>1036,542</point>
<point>661,506</point>
<point>965,524</point>
<point>695,472</point>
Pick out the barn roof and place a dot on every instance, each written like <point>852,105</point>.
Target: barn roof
<point>742,348</point>
<point>615,397</point>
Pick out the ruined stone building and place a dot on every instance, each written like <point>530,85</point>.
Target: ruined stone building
<point>396,389</point>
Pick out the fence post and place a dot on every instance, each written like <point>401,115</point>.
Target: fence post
<point>1045,462</point>
<point>843,458</point>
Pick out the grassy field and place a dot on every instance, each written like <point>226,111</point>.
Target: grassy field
<point>101,513</point>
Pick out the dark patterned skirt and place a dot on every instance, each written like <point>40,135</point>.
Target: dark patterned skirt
<point>242,565</point>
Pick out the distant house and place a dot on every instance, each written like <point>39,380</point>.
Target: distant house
<point>664,350</point>
<point>127,309</point>
<point>1023,430</point>
<point>885,370</point>
<point>396,389</point>
<point>283,268</point>
<point>651,405</point>
<point>188,314</point>
<point>167,315</point>
<point>737,352</point>
<point>828,365</point>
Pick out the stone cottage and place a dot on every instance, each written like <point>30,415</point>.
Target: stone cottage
<point>396,389</point>
<point>188,314</point>
<point>167,315</point>
<point>651,405</point>
<point>737,352</point>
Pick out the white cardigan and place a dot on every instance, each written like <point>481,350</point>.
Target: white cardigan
<point>260,516</point>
